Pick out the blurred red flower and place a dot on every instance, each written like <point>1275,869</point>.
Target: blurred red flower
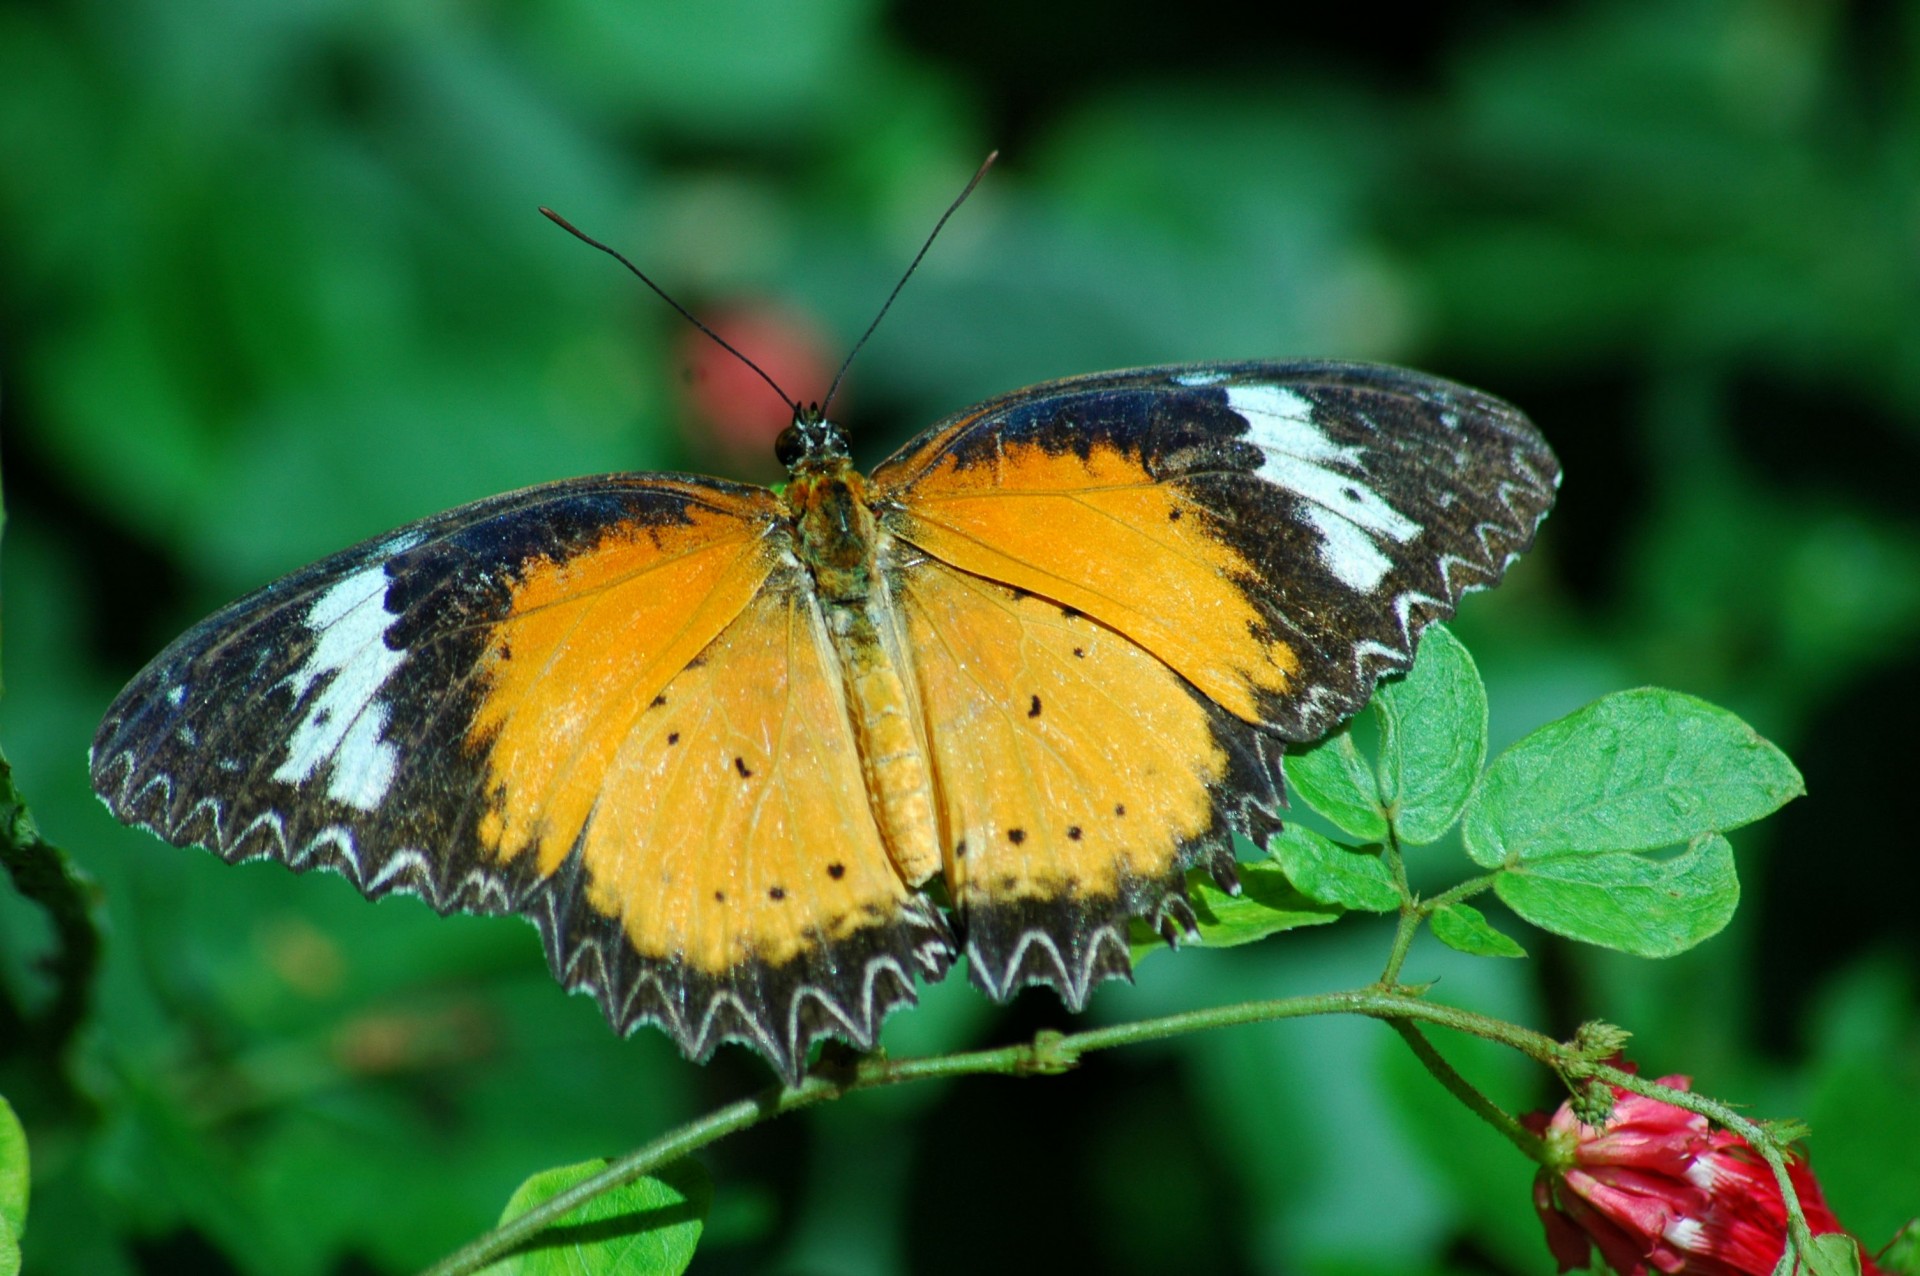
<point>733,415</point>
<point>1659,1189</point>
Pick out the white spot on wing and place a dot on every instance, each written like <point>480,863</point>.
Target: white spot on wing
<point>1208,377</point>
<point>1342,506</point>
<point>344,723</point>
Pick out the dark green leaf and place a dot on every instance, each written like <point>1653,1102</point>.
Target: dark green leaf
<point>1433,738</point>
<point>1648,907</point>
<point>1464,927</point>
<point>1327,871</point>
<point>1632,771</point>
<point>647,1228</point>
<point>1267,903</point>
<point>1337,782</point>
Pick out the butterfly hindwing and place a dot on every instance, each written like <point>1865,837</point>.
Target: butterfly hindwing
<point>726,876</point>
<point>1079,779</point>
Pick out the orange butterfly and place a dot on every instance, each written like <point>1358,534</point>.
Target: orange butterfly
<point>716,741</point>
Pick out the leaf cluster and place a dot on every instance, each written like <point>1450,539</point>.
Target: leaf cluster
<point>1607,826</point>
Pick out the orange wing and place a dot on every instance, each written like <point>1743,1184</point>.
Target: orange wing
<point>1127,591</point>
<point>604,704</point>
<point>1078,778</point>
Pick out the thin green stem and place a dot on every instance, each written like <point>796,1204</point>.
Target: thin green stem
<point>1486,1109</point>
<point>42,873</point>
<point>1454,894</point>
<point>1049,1053</point>
<point>1411,914</point>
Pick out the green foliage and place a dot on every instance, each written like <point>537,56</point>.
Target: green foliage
<point>1333,873</point>
<point>1333,779</point>
<point>1647,907</point>
<point>649,1227</point>
<point>13,1189</point>
<point>1634,771</point>
<point>1433,739</point>
<point>1464,928</point>
<point>1267,904</point>
<point>1564,817</point>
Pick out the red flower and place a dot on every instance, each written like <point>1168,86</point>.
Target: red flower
<point>1658,1189</point>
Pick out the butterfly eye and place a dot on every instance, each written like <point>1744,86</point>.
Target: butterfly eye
<point>789,447</point>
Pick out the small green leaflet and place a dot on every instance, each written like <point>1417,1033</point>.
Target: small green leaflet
<point>1433,742</point>
<point>1325,870</point>
<point>1335,780</point>
<point>1464,927</point>
<point>1647,907</point>
<point>1832,1254</point>
<point>647,1228</point>
<point>13,1189</point>
<point>1433,738</point>
<point>1267,904</point>
<point>1633,771</point>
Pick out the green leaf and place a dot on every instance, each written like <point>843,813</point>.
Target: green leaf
<point>1648,907</point>
<point>647,1228</point>
<point>1332,873</point>
<point>1633,771</point>
<point>1902,1257</point>
<point>13,1170</point>
<point>1337,782</point>
<point>1267,903</point>
<point>13,1189</point>
<point>1832,1254</point>
<point>1433,738</point>
<point>1464,927</point>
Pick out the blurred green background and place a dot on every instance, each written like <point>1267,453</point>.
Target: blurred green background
<point>271,281</point>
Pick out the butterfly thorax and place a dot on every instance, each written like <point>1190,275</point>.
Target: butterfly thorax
<point>836,537</point>
<point>833,527</point>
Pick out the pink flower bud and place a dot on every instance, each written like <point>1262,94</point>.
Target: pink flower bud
<point>1658,1189</point>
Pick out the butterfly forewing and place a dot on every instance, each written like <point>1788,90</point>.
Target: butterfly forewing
<point>1277,533</point>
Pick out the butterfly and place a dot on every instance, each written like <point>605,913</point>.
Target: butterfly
<point>753,761</point>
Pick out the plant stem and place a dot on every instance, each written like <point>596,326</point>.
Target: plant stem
<point>1454,894</point>
<point>1048,1054</point>
<point>1464,1090</point>
<point>42,873</point>
<point>1411,914</point>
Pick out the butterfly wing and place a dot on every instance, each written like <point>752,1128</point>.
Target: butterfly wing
<point>1239,550</point>
<point>605,704</point>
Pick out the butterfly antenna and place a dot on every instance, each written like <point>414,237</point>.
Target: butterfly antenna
<point>686,314</point>
<point>951,209</point>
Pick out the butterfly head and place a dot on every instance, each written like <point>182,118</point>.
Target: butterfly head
<point>810,441</point>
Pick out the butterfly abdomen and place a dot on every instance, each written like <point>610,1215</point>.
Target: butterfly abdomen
<point>835,533</point>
